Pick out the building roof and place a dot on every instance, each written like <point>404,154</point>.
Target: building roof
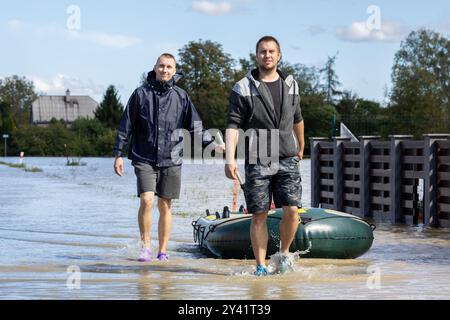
<point>67,108</point>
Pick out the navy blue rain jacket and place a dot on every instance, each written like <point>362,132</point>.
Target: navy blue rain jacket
<point>153,112</point>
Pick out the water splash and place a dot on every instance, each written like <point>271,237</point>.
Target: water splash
<point>275,265</point>
<point>131,250</point>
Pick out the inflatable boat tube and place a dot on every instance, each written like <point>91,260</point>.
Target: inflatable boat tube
<point>322,233</point>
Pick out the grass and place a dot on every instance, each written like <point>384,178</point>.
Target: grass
<point>183,214</point>
<point>21,166</point>
<point>73,162</point>
<point>33,169</point>
<point>13,165</point>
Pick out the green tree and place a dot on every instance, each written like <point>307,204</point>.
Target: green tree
<point>105,142</point>
<point>351,104</point>
<point>30,139</point>
<point>318,120</point>
<point>308,78</point>
<point>54,140</point>
<point>420,92</point>
<point>361,116</point>
<point>110,109</point>
<point>208,79</point>
<point>331,79</point>
<point>6,119</point>
<point>19,94</point>
<point>348,103</point>
<point>245,65</point>
<point>94,138</point>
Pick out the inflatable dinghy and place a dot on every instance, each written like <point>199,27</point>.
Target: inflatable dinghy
<point>322,233</point>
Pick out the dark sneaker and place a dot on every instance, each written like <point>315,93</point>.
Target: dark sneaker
<point>261,271</point>
<point>145,255</point>
<point>162,256</point>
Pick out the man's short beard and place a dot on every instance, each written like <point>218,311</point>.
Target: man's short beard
<point>268,69</point>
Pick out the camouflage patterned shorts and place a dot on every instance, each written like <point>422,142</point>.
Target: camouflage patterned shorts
<point>281,180</point>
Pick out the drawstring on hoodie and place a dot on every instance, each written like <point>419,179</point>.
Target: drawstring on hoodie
<point>293,100</point>
<point>251,96</point>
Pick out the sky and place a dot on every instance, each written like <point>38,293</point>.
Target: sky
<point>88,45</point>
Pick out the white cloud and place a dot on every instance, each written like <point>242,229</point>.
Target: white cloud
<point>358,32</point>
<point>58,84</point>
<point>105,39</point>
<point>212,8</point>
<point>15,24</point>
<point>100,38</point>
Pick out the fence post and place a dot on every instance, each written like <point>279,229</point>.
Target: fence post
<point>338,172</point>
<point>395,177</point>
<point>430,184</point>
<point>364,176</point>
<point>315,170</point>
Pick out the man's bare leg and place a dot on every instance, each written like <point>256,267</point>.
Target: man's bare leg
<point>164,223</point>
<point>259,236</point>
<point>145,217</point>
<point>288,227</point>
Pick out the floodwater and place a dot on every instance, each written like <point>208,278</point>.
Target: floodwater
<point>72,233</point>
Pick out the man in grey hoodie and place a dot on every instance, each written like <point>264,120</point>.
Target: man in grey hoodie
<point>267,103</point>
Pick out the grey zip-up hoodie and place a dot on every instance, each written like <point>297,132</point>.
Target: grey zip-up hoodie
<point>251,107</point>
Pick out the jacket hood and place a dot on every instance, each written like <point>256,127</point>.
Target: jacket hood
<point>151,79</point>
<point>253,75</point>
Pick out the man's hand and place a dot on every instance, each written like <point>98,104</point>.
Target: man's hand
<point>118,166</point>
<point>299,129</point>
<point>230,170</point>
<point>300,154</point>
<point>231,164</point>
<point>220,148</point>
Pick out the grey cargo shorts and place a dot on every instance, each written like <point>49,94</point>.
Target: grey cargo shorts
<point>165,182</point>
<point>281,181</point>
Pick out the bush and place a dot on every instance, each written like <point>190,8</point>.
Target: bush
<point>87,137</point>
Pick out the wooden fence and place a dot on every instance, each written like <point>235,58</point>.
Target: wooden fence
<point>400,180</point>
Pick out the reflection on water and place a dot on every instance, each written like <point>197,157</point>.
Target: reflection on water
<point>86,217</point>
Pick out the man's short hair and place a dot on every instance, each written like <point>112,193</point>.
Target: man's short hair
<point>266,39</point>
<point>167,55</point>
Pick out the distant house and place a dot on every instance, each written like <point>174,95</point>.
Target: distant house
<point>67,108</point>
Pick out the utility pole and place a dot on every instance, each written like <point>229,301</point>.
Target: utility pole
<point>5,136</point>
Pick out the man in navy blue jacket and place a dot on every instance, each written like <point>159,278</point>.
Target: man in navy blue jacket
<point>149,129</point>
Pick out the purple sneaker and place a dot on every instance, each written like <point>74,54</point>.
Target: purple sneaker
<point>162,256</point>
<point>145,255</point>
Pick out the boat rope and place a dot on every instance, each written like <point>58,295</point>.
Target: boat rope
<point>309,220</point>
<point>301,253</point>
<point>195,228</point>
<point>201,229</point>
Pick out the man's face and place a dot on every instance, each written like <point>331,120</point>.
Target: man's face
<point>165,69</point>
<point>268,55</point>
